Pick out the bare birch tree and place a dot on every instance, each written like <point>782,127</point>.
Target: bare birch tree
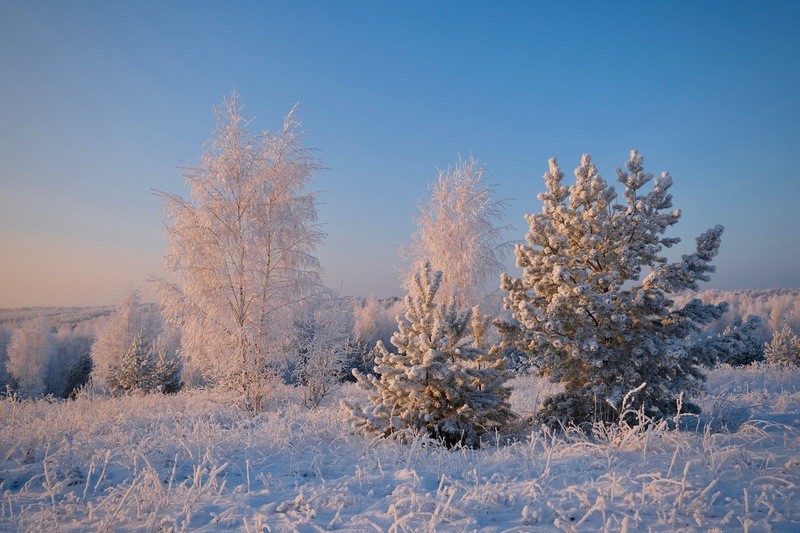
<point>241,249</point>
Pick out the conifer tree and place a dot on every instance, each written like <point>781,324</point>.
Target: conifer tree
<point>137,370</point>
<point>143,370</point>
<point>440,381</point>
<point>168,374</point>
<point>593,304</point>
<point>116,333</point>
<point>741,345</point>
<point>783,348</point>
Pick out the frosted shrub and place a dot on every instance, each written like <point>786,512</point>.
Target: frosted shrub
<point>323,348</point>
<point>594,304</point>
<point>441,381</point>
<point>784,347</point>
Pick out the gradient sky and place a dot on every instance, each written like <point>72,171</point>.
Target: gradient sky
<point>104,101</point>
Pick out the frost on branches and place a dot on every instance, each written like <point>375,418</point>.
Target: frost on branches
<point>323,347</point>
<point>441,382</point>
<point>784,348</point>
<point>737,346</point>
<point>31,354</point>
<point>144,370</point>
<point>460,234</point>
<point>593,306</point>
<point>241,249</point>
<point>117,333</point>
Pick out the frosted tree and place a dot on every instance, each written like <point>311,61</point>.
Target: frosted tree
<point>323,347</point>
<point>783,348</point>
<point>593,305</point>
<point>136,370</point>
<point>736,346</point>
<point>460,232</point>
<point>740,345</point>
<point>31,353</point>
<point>373,321</point>
<point>241,250</point>
<point>143,369</point>
<point>72,363</point>
<point>115,336</point>
<point>438,382</point>
<point>5,377</point>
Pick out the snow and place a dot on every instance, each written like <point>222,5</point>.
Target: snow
<point>192,461</point>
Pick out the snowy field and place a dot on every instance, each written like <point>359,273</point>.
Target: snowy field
<point>192,462</point>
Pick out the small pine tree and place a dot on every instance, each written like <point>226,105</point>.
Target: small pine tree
<point>489,400</point>
<point>440,381</point>
<point>736,346</point>
<point>116,333</point>
<point>784,347</point>
<point>144,370</point>
<point>137,370</point>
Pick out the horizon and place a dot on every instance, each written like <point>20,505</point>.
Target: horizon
<point>106,102</point>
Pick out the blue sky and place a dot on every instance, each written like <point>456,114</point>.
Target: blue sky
<point>104,101</point>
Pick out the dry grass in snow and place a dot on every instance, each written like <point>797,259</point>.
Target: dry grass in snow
<point>192,462</point>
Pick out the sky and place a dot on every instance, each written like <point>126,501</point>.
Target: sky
<point>104,102</point>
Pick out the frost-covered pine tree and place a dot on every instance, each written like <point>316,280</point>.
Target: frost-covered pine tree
<point>241,250</point>
<point>784,348</point>
<point>116,334</point>
<point>136,370</point>
<point>142,369</point>
<point>438,382</point>
<point>594,303</point>
<point>742,345</point>
<point>31,354</point>
<point>460,232</point>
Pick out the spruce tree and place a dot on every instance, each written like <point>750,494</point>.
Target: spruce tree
<point>439,382</point>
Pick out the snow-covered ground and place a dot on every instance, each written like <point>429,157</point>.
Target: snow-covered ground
<point>191,461</point>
